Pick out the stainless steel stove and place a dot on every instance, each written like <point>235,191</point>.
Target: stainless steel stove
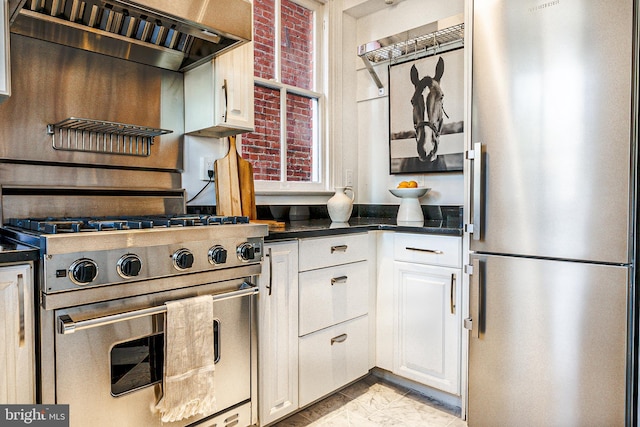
<point>82,253</point>
<point>103,285</point>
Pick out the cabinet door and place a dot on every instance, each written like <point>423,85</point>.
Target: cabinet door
<point>5,66</point>
<point>17,378</point>
<point>427,325</point>
<point>218,95</point>
<point>234,99</point>
<point>278,332</point>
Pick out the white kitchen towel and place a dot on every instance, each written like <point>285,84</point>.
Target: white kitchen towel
<point>188,384</point>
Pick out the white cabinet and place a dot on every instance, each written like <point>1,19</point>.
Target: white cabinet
<point>17,353</point>
<point>219,95</point>
<point>427,325</point>
<point>418,329</point>
<point>278,332</point>
<point>334,323</point>
<point>322,252</point>
<point>5,65</point>
<point>332,357</point>
<point>332,295</point>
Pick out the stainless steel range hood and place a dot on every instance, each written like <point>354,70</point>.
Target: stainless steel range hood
<point>170,34</point>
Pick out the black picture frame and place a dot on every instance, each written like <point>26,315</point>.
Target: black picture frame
<point>447,70</point>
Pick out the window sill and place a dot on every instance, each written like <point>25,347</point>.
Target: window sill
<point>293,192</point>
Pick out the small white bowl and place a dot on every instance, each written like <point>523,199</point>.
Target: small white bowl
<point>409,192</point>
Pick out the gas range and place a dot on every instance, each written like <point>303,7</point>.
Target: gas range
<point>104,287</point>
<point>81,253</point>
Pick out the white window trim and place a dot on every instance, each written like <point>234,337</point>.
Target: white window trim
<point>321,149</point>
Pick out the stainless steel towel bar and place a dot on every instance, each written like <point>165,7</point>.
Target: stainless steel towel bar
<point>66,325</point>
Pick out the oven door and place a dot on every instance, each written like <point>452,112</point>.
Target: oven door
<point>109,370</point>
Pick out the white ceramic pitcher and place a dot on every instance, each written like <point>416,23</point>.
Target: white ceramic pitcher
<point>340,204</point>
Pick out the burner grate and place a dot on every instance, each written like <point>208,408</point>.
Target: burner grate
<point>77,225</point>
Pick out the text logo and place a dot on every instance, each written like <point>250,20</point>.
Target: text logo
<point>34,415</point>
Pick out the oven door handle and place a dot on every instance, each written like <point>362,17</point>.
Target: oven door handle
<point>66,325</point>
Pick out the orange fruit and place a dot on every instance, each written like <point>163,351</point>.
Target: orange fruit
<point>412,184</point>
<point>403,184</point>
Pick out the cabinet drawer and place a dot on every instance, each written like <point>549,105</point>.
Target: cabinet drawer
<point>332,295</point>
<point>428,249</point>
<point>333,357</point>
<point>328,251</point>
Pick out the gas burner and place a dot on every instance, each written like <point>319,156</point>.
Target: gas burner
<point>83,224</point>
<point>79,253</point>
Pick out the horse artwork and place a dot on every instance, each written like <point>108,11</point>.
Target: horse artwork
<point>433,103</point>
<point>420,140</point>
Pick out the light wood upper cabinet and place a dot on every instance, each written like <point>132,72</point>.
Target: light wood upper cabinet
<point>219,95</point>
<point>5,65</point>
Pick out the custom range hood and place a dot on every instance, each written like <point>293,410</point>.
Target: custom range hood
<point>170,34</point>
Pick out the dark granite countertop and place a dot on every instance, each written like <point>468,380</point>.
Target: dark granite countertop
<point>324,227</point>
<point>444,220</point>
<point>11,251</point>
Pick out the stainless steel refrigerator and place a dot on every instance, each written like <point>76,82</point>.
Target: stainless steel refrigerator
<point>553,212</point>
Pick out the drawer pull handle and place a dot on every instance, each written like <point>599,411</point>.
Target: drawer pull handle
<point>270,285</point>
<point>339,248</point>
<point>430,251</point>
<point>341,279</point>
<point>22,303</point>
<point>452,294</point>
<point>339,338</point>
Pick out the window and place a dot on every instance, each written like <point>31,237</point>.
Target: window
<point>286,148</point>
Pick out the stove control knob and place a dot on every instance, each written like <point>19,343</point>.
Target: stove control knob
<point>129,265</point>
<point>182,259</point>
<point>217,255</point>
<point>246,252</point>
<point>83,271</point>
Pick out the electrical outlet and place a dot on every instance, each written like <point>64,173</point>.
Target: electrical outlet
<point>348,177</point>
<point>206,165</point>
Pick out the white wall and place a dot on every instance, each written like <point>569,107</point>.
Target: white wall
<point>365,21</point>
<point>196,147</point>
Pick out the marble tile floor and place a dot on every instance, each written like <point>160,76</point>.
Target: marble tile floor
<point>373,402</point>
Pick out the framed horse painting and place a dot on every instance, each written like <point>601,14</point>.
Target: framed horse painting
<point>426,111</point>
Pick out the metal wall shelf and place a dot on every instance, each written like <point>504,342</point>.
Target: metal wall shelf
<point>429,39</point>
<point>99,136</point>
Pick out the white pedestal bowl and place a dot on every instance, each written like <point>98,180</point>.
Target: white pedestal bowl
<point>410,212</point>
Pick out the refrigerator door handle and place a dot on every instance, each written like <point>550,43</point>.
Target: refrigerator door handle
<point>475,228</point>
<point>474,322</point>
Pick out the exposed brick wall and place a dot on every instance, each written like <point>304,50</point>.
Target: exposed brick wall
<point>297,45</point>
<point>263,146</point>
<point>264,38</point>
<point>299,137</point>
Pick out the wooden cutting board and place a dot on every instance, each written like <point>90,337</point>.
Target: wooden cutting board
<point>272,224</point>
<point>247,192</point>
<point>234,184</point>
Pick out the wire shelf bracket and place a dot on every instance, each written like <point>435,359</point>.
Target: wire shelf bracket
<point>430,39</point>
<point>99,136</point>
